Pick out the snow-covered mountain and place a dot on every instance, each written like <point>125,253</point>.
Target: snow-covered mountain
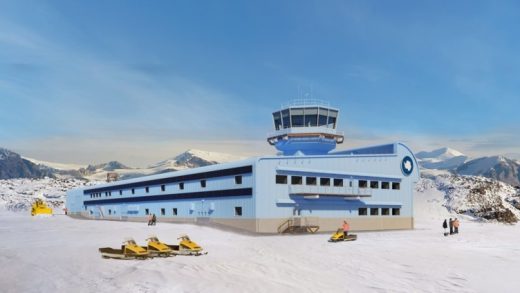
<point>12,165</point>
<point>443,159</point>
<point>473,196</point>
<point>496,167</point>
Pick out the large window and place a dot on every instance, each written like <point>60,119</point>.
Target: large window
<point>322,117</point>
<point>310,180</point>
<point>374,211</point>
<point>325,181</point>
<point>238,211</point>
<point>311,117</point>
<point>363,184</point>
<point>297,117</point>
<point>277,117</point>
<point>286,119</point>
<point>281,179</point>
<point>362,211</point>
<point>296,180</point>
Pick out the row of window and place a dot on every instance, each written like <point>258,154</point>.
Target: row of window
<point>337,182</point>
<point>238,211</point>
<point>238,181</point>
<point>377,211</point>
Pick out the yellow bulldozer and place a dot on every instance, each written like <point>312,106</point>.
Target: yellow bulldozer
<point>39,207</point>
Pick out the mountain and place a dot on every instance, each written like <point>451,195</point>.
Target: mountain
<point>442,159</point>
<point>12,165</point>
<point>496,167</point>
<point>448,195</point>
<point>193,159</point>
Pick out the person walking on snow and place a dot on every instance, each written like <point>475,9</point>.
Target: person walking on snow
<point>346,227</point>
<point>456,224</point>
<point>451,226</point>
<point>150,219</point>
<point>445,226</point>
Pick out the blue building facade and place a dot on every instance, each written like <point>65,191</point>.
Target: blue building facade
<point>306,184</point>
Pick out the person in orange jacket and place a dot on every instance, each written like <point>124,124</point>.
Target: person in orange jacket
<point>346,228</point>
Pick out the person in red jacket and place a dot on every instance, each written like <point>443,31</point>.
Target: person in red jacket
<point>346,227</point>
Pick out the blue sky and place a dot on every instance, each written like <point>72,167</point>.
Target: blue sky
<point>88,81</point>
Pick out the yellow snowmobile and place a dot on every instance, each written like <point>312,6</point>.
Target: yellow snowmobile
<point>157,248</point>
<point>187,247</point>
<point>40,208</point>
<point>129,250</point>
<point>339,236</point>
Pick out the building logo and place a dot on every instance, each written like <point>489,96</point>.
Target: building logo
<point>407,165</point>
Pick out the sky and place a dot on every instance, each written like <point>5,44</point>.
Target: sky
<point>141,81</point>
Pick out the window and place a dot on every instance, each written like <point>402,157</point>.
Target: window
<point>238,179</point>
<point>281,179</point>
<point>85,207</point>
<point>120,192</point>
<point>396,185</point>
<point>175,211</point>
<point>133,191</point>
<point>374,211</point>
<point>110,193</point>
<point>163,187</point>
<point>325,181</point>
<point>109,211</point>
<point>350,183</point>
<point>106,193</point>
<point>286,120</point>
<point>385,211</point>
<point>338,182</point>
<point>296,180</point>
<point>297,117</point>
<point>181,186</point>
<point>374,184</point>
<point>203,183</point>
<point>310,180</point>
<point>362,211</point>
<point>238,211</point>
<point>146,211</point>
<point>385,185</point>
<point>363,184</point>
<point>396,211</point>
<point>311,117</point>
<point>163,212</point>
<point>147,189</point>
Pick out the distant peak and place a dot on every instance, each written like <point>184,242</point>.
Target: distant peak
<point>444,152</point>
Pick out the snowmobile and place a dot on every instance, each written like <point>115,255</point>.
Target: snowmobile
<point>157,248</point>
<point>187,247</point>
<point>40,208</point>
<point>129,250</point>
<point>339,236</point>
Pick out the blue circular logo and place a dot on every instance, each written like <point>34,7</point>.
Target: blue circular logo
<point>407,165</point>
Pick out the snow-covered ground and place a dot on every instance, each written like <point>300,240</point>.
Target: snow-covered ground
<point>59,254</point>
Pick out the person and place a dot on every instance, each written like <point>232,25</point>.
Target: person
<point>150,218</point>
<point>154,219</point>
<point>456,224</point>
<point>445,226</point>
<point>451,226</point>
<point>346,227</point>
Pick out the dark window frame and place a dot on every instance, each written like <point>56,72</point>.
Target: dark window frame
<point>362,211</point>
<point>296,180</point>
<point>324,181</point>
<point>281,179</point>
<point>385,185</point>
<point>363,184</point>
<point>337,182</point>
<point>374,184</point>
<point>311,181</point>
<point>396,186</point>
<point>374,211</point>
<point>385,211</point>
<point>396,211</point>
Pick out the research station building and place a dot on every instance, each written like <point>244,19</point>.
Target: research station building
<point>307,186</point>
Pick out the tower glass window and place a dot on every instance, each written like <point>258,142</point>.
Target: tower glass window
<point>297,117</point>
<point>277,118</point>
<point>311,117</point>
<point>322,117</point>
<point>333,115</point>
<point>286,119</point>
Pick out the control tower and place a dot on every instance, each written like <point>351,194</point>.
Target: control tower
<point>305,127</point>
